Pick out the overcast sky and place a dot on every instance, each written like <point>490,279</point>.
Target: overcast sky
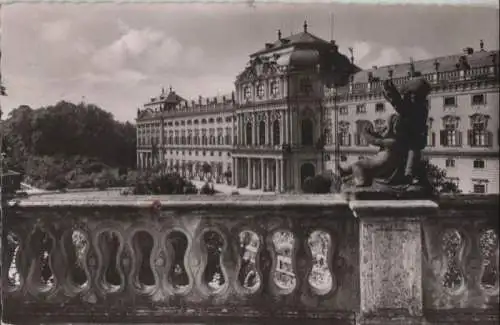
<point>118,56</point>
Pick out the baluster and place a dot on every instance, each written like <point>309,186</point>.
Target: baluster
<point>321,278</point>
<point>284,274</point>
<point>488,245</point>
<point>177,243</point>
<point>12,257</point>
<point>213,275</point>
<point>75,248</point>
<point>249,276</point>
<point>41,275</point>
<point>109,246</point>
<point>143,278</point>
<point>453,245</point>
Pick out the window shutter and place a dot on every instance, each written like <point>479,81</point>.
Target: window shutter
<point>442,137</point>
<point>489,139</point>
<point>459,136</point>
<point>433,140</point>
<point>349,143</point>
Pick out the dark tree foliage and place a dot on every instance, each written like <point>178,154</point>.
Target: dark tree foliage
<point>53,146</point>
<point>438,180</point>
<point>154,184</point>
<point>319,184</point>
<point>69,130</point>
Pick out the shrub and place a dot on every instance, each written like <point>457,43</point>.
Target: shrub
<point>207,189</point>
<point>319,184</point>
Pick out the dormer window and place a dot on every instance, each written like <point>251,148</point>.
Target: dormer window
<point>246,92</point>
<point>260,90</point>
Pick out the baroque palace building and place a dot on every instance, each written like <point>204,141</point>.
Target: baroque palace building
<point>296,109</point>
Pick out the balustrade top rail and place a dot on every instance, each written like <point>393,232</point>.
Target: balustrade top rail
<point>113,198</point>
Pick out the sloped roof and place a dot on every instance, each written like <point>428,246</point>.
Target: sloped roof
<point>299,38</point>
<point>446,63</point>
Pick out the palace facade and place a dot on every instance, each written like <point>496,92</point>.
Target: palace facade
<point>296,109</point>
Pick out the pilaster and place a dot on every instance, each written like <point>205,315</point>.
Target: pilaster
<point>390,247</point>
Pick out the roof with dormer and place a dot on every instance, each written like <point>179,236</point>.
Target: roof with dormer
<point>302,38</point>
<point>471,60</point>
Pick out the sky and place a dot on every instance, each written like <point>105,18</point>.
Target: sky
<point>117,56</point>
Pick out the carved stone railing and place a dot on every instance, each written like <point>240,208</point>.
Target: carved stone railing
<point>460,261</point>
<point>272,259</point>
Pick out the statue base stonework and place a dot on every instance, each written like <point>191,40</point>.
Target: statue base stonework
<point>381,191</point>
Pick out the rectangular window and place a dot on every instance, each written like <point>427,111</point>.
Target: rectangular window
<point>450,162</point>
<point>344,139</point>
<point>360,109</point>
<point>480,138</point>
<point>479,188</point>
<point>343,110</point>
<point>379,107</point>
<point>450,138</point>
<point>478,99</point>
<point>449,101</point>
<point>479,163</point>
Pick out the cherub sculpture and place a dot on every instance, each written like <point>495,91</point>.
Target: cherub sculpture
<point>398,163</point>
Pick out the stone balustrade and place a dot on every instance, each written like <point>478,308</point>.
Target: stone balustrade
<point>318,259</point>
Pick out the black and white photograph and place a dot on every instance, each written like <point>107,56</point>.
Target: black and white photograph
<point>250,162</point>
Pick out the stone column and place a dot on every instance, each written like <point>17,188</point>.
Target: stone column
<point>243,131</point>
<point>268,128</point>
<point>249,173</point>
<point>268,174</point>
<point>390,246</point>
<point>282,128</point>
<point>277,175</point>
<point>254,174</point>
<point>282,181</point>
<point>254,130</point>
<point>236,170</point>
<point>262,174</point>
<point>286,127</point>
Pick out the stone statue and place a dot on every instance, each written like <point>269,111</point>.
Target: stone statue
<point>397,167</point>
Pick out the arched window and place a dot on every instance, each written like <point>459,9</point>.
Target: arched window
<point>249,134</point>
<point>262,133</point>
<point>276,133</point>
<point>307,132</point>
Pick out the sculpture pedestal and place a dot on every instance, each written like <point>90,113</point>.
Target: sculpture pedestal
<point>391,260</point>
<point>381,191</point>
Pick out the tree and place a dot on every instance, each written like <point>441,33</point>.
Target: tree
<point>438,180</point>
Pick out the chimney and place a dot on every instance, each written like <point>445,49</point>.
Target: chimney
<point>305,26</point>
<point>391,73</point>
<point>279,34</point>
<point>269,45</point>
<point>481,45</point>
<point>468,50</point>
<point>374,67</point>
